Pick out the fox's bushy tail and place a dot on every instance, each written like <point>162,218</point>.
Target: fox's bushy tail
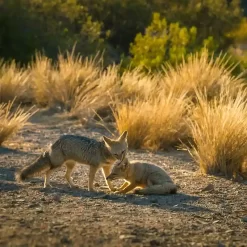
<point>161,189</point>
<point>42,164</point>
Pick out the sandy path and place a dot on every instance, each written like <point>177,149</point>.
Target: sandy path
<point>60,216</point>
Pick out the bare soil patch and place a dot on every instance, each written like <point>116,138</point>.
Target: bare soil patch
<point>207,211</point>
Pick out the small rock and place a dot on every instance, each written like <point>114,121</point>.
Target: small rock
<point>65,240</point>
<point>216,221</point>
<point>127,236</point>
<point>56,198</point>
<point>244,219</point>
<point>20,200</point>
<point>208,230</point>
<point>221,245</point>
<point>154,243</point>
<point>209,187</point>
<point>33,205</point>
<point>39,210</point>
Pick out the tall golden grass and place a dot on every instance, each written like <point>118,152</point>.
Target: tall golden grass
<point>11,120</point>
<point>154,123</point>
<point>202,72</point>
<point>219,133</point>
<point>13,82</point>
<point>198,100</point>
<point>65,83</point>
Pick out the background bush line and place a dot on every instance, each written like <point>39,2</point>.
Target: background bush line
<point>162,31</point>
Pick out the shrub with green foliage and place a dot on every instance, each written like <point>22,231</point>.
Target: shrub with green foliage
<point>50,25</point>
<point>27,26</point>
<point>211,17</point>
<point>166,42</point>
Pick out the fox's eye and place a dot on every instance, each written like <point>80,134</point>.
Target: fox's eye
<point>115,155</point>
<point>123,151</point>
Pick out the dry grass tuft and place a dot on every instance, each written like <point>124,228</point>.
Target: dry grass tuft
<point>202,72</point>
<point>154,123</point>
<point>136,84</point>
<point>66,83</point>
<point>132,117</point>
<point>219,132</point>
<point>13,83</point>
<point>11,121</point>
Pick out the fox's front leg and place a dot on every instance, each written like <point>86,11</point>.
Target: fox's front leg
<point>124,185</point>
<point>106,170</point>
<point>127,189</point>
<point>92,172</point>
<point>47,179</point>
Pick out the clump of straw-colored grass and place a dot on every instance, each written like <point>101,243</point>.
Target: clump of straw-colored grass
<point>66,83</point>
<point>154,123</point>
<point>201,72</point>
<point>219,133</point>
<point>11,120</point>
<point>13,83</point>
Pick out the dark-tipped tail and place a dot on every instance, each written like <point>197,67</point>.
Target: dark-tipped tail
<point>174,190</point>
<point>41,165</point>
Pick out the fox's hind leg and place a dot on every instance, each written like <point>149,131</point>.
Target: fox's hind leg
<point>47,179</point>
<point>70,167</point>
<point>106,170</point>
<point>158,189</point>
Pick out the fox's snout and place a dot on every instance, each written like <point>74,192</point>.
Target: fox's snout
<point>110,177</point>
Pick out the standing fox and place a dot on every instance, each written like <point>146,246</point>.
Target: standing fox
<point>151,178</point>
<point>69,149</point>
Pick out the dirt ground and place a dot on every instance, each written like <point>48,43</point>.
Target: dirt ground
<point>207,211</point>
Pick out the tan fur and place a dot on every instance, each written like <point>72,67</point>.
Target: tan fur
<point>151,178</point>
<point>70,149</point>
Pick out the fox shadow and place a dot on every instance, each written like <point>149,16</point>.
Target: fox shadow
<point>173,202</point>
<point>7,177</point>
<point>6,151</point>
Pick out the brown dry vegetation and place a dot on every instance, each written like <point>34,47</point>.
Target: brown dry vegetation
<point>11,120</point>
<point>218,130</point>
<point>158,110</point>
<point>13,82</point>
<point>65,83</point>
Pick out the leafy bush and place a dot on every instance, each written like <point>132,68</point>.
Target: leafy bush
<point>165,42</point>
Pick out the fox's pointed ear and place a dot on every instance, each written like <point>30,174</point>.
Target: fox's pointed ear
<point>123,136</point>
<point>107,140</point>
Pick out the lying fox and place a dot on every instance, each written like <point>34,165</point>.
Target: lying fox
<point>69,149</point>
<point>151,178</point>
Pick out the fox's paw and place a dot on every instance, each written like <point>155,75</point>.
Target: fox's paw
<point>74,186</point>
<point>117,192</point>
<point>137,191</point>
<point>47,186</point>
<point>92,190</point>
<point>113,189</point>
